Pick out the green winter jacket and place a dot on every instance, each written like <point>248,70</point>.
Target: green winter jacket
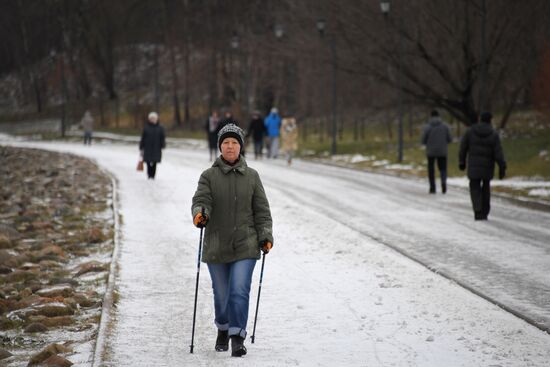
<point>238,212</point>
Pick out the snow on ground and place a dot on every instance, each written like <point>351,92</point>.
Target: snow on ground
<point>534,187</point>
<point>333,295</point>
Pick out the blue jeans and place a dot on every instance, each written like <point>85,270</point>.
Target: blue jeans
<point>231,286</point>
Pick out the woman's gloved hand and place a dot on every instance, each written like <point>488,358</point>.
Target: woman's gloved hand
<point>200,220</point>
<point>266,246</point>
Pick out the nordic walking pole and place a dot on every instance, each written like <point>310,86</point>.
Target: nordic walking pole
<point>258,301</point>
<point>197,284</point>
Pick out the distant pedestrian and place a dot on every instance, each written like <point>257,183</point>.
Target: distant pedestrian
<point>257,130</point>
<point>212,130</point>
<point>87,124</point>
<point>227,118</point>
<point>436,137</point>
<point>273,125</point>
<point>238,226</point>
<point>289,136</point>
<point>151,144</point>
<point>480,148</point>
<point>227,115</point>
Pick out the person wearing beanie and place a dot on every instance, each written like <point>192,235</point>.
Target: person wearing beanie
<point>231,204</point>
<point>436,137</point>
<point>151,144</point>
<point>233,131</point>
<point>480,149</point>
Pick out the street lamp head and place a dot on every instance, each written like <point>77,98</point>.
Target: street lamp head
<point>385,6</point>
<point>279,31</point>
<point>321,24</point>
<point>235,40</point>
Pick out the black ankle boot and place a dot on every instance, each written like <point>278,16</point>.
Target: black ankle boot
<point>222,341</point>
<point>237,346</point>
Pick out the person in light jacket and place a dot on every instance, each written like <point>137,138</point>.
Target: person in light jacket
<point>436,137</point>
<point>151,144</point>
<point>289,136</point>
<point>230,202</point>
<point>87,124</point>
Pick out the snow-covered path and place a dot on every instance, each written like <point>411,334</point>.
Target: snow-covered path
<point>333,293</point>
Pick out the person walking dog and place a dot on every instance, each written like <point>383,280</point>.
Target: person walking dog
<point>480,149</point>
<point>238,226</point>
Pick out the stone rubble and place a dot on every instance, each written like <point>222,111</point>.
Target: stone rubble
<point>56,241</point>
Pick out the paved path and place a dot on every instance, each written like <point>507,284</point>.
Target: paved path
<point>334,294</point>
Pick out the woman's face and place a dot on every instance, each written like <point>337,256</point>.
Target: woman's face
<point>230,149</point>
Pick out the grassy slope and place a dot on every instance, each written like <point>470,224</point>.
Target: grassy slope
<point>524,147</point>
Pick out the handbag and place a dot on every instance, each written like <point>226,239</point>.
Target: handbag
<point>140,165</point>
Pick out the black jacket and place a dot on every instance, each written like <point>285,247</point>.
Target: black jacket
<point>480,148</point>
<point>152,142</point>
<point>257,129</point>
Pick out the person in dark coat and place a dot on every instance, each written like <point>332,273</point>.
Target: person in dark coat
<point>436,137</point>
<point>151,144</point>
<point>231,203</point>
<point>480,148</point>
<point>212,130</point>
<point>257,129</point>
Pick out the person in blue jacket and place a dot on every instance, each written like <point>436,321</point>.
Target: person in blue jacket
<point>273,125</point>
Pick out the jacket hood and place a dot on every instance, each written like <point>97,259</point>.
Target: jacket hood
<point>240,166</point>
<point>482,129</point>
<point>435,120</point>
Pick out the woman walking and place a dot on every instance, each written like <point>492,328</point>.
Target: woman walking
<point>238,225</point>
<point>151,144</point>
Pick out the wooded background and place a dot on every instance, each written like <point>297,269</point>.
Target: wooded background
<point>123,58</point>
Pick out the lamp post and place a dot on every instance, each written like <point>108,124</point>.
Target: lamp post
<point>235,42</point>
<point>63,88</point>
<point>287,67</point>
<point>279,31</point>
<point>483,74</point>
<point>385,7</point>
<point>321,25</point>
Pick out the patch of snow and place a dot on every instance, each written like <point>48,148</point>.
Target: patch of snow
<point>383,162</point>
<point>539,192</point>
